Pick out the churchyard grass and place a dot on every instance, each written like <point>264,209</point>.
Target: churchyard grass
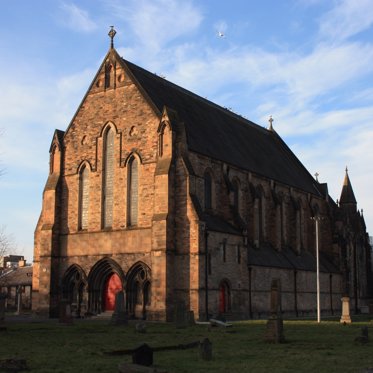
<point>81,347</point>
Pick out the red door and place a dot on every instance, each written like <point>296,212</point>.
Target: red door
<point>113,285</point>
<point>222,299</point>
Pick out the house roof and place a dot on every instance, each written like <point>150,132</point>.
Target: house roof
<point>17,276</point>
<point>218,133</point>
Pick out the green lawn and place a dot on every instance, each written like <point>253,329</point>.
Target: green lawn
<point>328,347</point>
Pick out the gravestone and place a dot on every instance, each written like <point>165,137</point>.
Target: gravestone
<point>345,318</point>
<point>274,328</point>
<point>65,316</point>
<point>13,365</point>
<point>3,297</point>
<point>190,318</point>
<point>143,355</point>
<point>364,336</point>
<point>140,327</point>
<point>120,316</point>
<point>181,315</point>
<point>134,368</point>
<point>205,349</point>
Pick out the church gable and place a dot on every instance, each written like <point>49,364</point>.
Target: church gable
<point>114,96</point>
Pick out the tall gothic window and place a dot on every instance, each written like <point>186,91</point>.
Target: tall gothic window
<point>133,194</point>
<point>164,141</point>
<point>259,219</point>
<point>283,223</point>
<point>208,191</point>
<point>108,179</point>
<point>236,196</point>
<point>83,198</point>
<point>298,228</point>
<point>108,69</point>
<point>279,237</point>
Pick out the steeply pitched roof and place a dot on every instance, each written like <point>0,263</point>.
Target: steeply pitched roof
<point>220,134</point>
<point>347,194</point>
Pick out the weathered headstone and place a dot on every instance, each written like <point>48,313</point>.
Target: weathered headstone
<point>143,355</point>
<point>140,327</point>
<point>275,329</point>
<point>190,318</point>
<point>345,318</point>
<point>120,316</point>
<point>364,336</point>
<point>65,316</point>
<point>205,349</point>
<point>134,368</point>
<point>13,365</point>
<point>3,297</point>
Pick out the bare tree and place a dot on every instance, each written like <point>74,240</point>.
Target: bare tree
<point>7,243</point>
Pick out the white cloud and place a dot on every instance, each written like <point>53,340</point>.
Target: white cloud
<point>347,18</point>
<point>156,23</point>
<point>77,19</point>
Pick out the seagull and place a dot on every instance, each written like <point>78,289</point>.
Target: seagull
<point>221,34</point>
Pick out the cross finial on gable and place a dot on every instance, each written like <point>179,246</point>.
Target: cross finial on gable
<point>270,120</point>
<point>111,34</point>
<point>316,176</point>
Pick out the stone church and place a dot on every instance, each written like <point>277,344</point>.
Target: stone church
<point>157,192</point>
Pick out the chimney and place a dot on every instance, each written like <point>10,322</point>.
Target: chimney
<point>21,263</point>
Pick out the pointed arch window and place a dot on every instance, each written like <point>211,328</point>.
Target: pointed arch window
<point>208,190</point>
<point>55,160</point>
<point>236,196</point>
<point>83,198</point>
<point>299,217</point>
<point>108,179</point>
<point>259,218</point>
<point>164,141</point>
<point>133,193</point>
<point>108,69</point>
<point>283,223</point>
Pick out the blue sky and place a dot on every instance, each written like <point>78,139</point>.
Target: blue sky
<point>308,63</point>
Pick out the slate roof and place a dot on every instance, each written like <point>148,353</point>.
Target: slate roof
<point>17,276</point>
<point>220,134</point>
<point>267,256</point>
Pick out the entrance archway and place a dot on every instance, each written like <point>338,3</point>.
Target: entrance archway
<point>112,286</point>
<point>104,281</point>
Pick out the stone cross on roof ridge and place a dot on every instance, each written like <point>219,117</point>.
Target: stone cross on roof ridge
<point>270,120</point>
<point>111,34</point>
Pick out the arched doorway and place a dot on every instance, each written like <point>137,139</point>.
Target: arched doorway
<point>74,286</point>
<point>112,286</point>
<point>104,281</point>
<point>138,290</point>
<point>224,297</point>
